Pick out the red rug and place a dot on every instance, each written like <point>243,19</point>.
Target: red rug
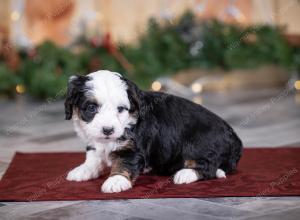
<point>41,177</point>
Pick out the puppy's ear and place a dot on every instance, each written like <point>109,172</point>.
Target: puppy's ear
<point>76,87</point>
<point>135,96</point>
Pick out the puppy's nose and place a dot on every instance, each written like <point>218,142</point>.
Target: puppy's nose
<point>107,130</point>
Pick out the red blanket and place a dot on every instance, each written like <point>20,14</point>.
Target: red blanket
<point>41,177</point>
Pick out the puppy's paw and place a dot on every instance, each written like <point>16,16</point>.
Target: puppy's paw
<point>83,173</point>
<point>220,173</point>
<point>186,176</point>
<point>116,183</point>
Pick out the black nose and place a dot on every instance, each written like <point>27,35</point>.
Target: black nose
<point>108,130</point>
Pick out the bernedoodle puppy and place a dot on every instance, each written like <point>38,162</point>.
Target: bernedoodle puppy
<point>134,131</point>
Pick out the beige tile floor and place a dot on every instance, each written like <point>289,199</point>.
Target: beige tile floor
<point>269,118</point>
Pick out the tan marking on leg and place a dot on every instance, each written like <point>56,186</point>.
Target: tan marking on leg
<point>118,169</point>
<point>190,164</point>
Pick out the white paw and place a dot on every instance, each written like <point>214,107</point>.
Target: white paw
<point>186,176</point>
<point>83,173</point>
<point>220,173</point>
<point>116,184</point>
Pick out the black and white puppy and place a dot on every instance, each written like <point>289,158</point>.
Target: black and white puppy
<point>133,131</point>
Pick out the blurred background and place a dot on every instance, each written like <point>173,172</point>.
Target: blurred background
<point>239,58</point>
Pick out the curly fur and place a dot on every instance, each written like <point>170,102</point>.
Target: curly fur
<point>159,131</point>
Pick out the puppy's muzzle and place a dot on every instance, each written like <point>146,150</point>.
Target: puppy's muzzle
<point>107,131</point>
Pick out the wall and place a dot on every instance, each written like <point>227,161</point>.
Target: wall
<point>125,20</point>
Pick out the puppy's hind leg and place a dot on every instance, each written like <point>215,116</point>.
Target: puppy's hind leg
<point>198,169</point>
<point>185,176</point>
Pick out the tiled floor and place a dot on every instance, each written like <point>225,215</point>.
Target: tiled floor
<point>268,118</point>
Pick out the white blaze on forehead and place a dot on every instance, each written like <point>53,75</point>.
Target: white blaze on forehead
<point>108,87</point>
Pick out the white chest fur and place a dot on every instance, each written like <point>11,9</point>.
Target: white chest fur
<point>103,150</point>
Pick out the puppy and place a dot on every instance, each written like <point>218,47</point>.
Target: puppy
<point>133,131</point>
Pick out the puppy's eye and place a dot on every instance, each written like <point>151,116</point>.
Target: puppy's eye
<point>122,108</point>
<point>92,108</point>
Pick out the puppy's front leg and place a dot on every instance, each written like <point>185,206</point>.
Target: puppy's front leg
<point>126,166</point>
<point>90,169</point>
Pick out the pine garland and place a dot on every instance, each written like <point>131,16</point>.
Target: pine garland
<point>164,49</point>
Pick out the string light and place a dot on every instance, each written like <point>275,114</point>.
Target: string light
<point>297,85</point>
<point>197,87</point>
<point>20,88</point>
<point>15,16</point>
<point>156,86</point>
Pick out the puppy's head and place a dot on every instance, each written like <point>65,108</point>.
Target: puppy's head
<point>103,104</point>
